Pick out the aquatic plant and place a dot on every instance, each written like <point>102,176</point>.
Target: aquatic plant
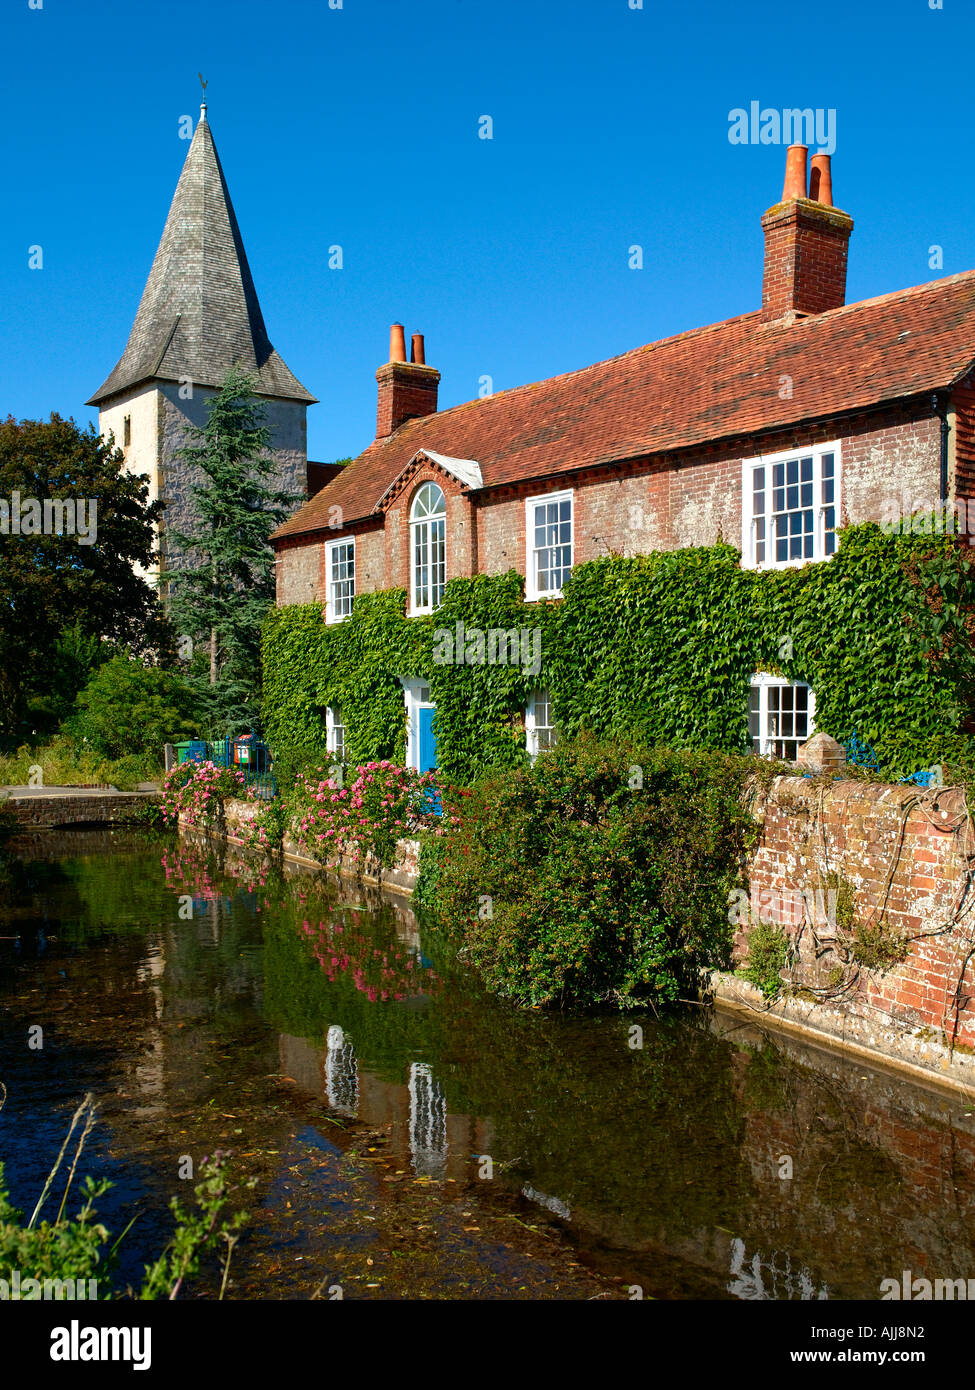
<point>71,1256</point>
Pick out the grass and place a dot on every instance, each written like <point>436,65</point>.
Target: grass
<point>63,764</point>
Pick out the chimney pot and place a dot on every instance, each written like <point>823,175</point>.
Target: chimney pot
<point>397,343</point>
<point>416,354</point>
<point>821,180</point>
<point>795,172</point>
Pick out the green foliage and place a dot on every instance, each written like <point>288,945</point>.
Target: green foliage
<point>768,951</point>
<point>58,596</point>
<point>875,946</point>
<point>69,1248</point>
<point>220,599</point>
<point>600,875</point>
<point>75,1248</point>
<point>197,1231</point>
<point>128,708</point>
<point>75,659</point>
<point>66,763</point>
<point>660,647</point>
<point>354,666</point>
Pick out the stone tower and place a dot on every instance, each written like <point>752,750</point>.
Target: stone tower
<point>198,316</point>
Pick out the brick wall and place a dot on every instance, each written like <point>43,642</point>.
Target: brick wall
<point>806,248</point>
<point>890,463</point>
<point>406,390</point>
<point>903,851</point>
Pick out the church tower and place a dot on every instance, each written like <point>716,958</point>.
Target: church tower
<point>198,316</point>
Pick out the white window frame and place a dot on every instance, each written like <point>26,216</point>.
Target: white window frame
<point>763,682</point>
<point>331,616</point>
<point>415,524</point>
<point>532,591</point>
<point>749,528</point>
<point>532,725</point>
<point>334,722</point>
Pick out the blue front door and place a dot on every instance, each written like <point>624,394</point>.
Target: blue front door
<point>428,743</point>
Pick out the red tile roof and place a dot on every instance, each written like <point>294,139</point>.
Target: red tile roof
<point>708,384</point>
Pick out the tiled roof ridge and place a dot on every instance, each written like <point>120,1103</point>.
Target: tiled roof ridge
<point>890,296</point>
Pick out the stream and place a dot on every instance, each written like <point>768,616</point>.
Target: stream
<point>411,1136</point>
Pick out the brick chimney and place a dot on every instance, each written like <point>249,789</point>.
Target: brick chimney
<point>806,243</point>
<point>406,389</point>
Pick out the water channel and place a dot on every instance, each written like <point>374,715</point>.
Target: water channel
<point>412,1136</point>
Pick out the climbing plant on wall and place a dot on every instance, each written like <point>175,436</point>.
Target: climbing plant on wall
<point>658,646</point>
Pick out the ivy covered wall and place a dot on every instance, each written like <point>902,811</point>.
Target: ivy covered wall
<point>661,646</point>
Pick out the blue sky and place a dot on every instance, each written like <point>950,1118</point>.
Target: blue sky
<point>359,127</point>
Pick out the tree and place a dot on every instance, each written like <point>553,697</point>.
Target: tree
<point>128,707</point>
<point>221,591</point>
<point>81,577</point>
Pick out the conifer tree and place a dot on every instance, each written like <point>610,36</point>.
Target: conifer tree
<point>224,585</point>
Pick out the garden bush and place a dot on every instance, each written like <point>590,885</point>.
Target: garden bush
<point>598,876</point>
<point>128,708</point>
<point>383,803</point>
<point>197,791</point>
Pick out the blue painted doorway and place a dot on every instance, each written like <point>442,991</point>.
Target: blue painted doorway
<point>428,742</point>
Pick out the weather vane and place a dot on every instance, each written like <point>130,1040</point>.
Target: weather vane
<point>204,86</point>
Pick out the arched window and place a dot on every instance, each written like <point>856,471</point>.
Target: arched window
<point>428,547</point>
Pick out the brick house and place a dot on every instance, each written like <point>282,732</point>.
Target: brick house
<point>770,429</point>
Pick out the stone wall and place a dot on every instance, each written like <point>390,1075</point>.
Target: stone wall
<point>237,828</point>
<point>51,810</point>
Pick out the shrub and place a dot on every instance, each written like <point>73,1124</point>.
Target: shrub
<point>599,875</point>
<point>768,951</point>
<point>128,708</point>
<point>197,791</point>
<point>383,803</point>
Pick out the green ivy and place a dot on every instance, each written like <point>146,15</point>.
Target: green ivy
<point>659,647</point>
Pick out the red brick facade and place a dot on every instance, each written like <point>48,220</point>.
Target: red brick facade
<point>407,391</point>
<point>652,442</point>
<point>888,457</point>
<point>905,852</point>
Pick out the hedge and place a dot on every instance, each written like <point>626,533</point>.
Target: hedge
<point>659,647</point>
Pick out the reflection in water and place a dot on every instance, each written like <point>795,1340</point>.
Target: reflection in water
<point>665,1160</point>
<point>551,1204</point>
<point>773,1278</point>
<point>341,1073</point>
<point>428,1122</point>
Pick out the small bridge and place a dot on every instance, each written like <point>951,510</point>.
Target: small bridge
<point>39,808</point>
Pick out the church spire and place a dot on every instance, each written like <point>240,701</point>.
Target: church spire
<point>199,314</point>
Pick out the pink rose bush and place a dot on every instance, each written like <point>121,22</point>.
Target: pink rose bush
<point>197,791</point>
<point>366,816</point>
